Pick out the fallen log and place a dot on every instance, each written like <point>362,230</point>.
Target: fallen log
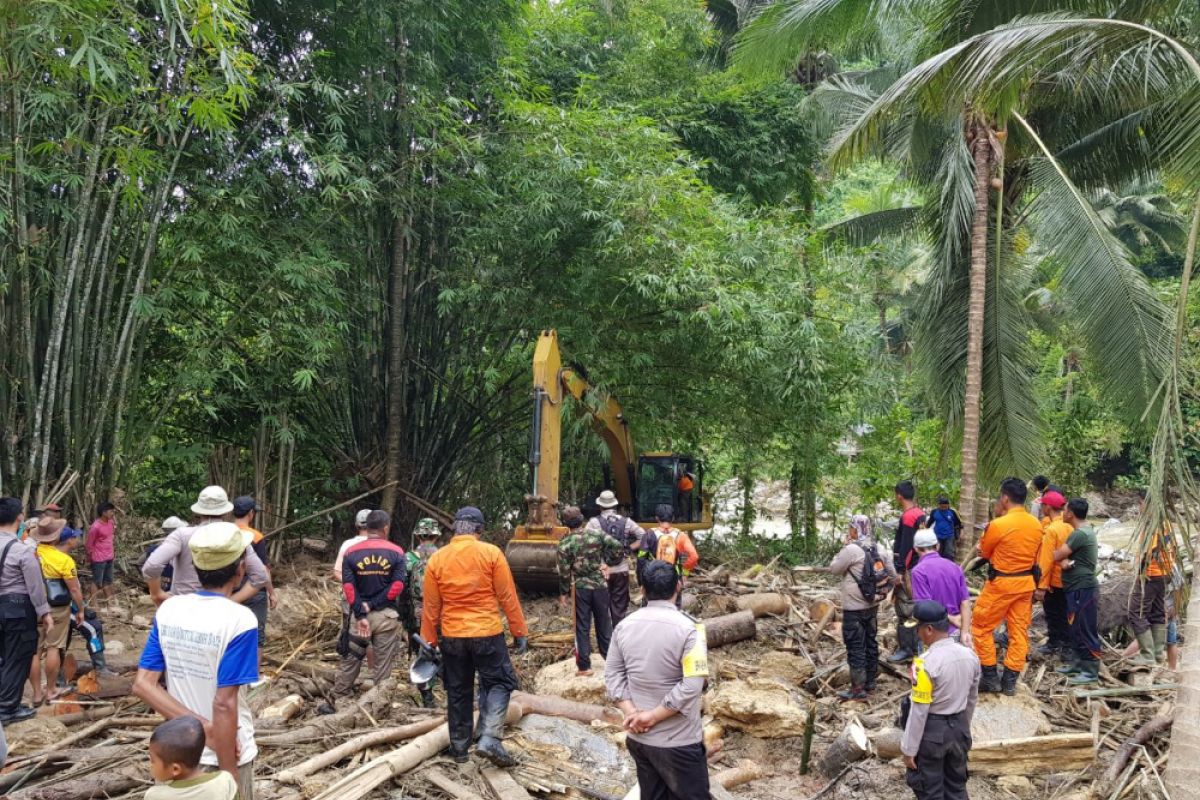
<point>720,631</point>
<point>97,785</point>
<point>850,746</point>
<point>443,781</point>
<point>824,620</point>
<point>504,785</point>
<point>1153,727</point>
<point>549,706</point>
<point>295,774</point>
<point>1065,752</point>
<point>887,743</point>
<point>376,700</point>
<point>379,771</point>
<point>763,603</point>
<point>1125,691</point>
<point>745,772</point>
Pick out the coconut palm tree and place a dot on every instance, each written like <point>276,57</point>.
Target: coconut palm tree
<point>993,196</point>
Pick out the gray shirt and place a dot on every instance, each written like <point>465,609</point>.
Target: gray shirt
<point>22,573</point>
<point>646,665</point>
<point>174,550</point>
<point>946,681</point>
<point>633,533</point>
<point>849,564</point>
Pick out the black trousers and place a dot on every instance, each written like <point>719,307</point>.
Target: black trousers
<point>462,659</point>
<point>859,634</point>
<point>18,643</point>
<point>671,773</point>
<point>618,596</point>
<point>947,548</point>
<point>941,772</point>
<point>1083,608</point>
<point>1058,630</point>
<point>1148,604</point>
<point>591,605</point>
<point>902,600</point>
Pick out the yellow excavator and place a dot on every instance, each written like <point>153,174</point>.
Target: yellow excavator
<point>640,482</point>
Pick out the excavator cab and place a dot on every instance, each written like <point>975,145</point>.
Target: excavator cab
<point>676,480</point>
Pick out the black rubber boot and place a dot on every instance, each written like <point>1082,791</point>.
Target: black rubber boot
<point>857,690</point>
<point>989,681</point>
<point>491,749</point>
<point>427,696</point>
<point>1008,683</point>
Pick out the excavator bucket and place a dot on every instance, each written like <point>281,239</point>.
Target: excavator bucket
<point>533,558</point>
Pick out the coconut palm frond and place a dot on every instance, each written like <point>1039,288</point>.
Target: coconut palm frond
<point>866,228</point>
<point>1122,321</point>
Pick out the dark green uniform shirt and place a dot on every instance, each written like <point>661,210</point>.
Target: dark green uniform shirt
<point>580,554</point>
<point>1082,575</point>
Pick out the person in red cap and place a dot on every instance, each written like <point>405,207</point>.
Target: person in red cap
<point>1050,591</point>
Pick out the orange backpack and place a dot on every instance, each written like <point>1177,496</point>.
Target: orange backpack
<point>667,550</point>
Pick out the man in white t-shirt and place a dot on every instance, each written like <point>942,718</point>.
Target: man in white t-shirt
<point>360,526</point>
<point>208,646</point>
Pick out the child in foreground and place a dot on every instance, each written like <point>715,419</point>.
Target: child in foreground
<point>175,749</point>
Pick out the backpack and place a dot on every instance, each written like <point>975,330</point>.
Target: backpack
<point>666,550</point>
<point>649,545</point>
<point>614,526</point>
<point>873,579</point>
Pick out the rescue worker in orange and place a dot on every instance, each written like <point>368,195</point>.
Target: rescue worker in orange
<point>1050,591</point>
<point>1012,544</point>
<point>467,585</point>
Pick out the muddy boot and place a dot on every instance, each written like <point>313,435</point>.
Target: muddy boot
<point>1089,672</point>
<point>989,681</point>
<point>1145,655</point>
<point>427,700</point>
<point>490,748</point>
<point>1069,668</point>
<point>857,690</point>
<point>1159,634</point>
<point>1008,682</point>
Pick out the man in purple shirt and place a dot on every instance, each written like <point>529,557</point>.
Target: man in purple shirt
<point>940,579</point>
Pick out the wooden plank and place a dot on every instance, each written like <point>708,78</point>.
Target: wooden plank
<point>1062,752</point>
<point>504,785</point>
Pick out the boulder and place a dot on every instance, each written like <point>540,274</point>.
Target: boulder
<point>786,667</point>
<point>998,716</point>
<point>559,679</point>
<point>550,739</point>
<point>115,647</point>
<point>761,707</point>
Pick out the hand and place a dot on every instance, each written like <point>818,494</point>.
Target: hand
<point>910,762</point>
<point>79,617</point>
<point>158,597</point>
<point>964,637</point>
<point>272,600</point>
<point>640,722</point>
<point>520,645</point>
<point>1039,595</point>
<point>362,628</point>
<point>48,621</point>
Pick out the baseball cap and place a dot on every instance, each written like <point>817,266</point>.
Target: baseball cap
<point>925,537</point>
<point>218,544</point>
<point>1053,500</point>
<point>50,507</point>
<point>469,514</point>
<point>927,612</point>
<point>68,534</point>
<point>427,526</point>
<point>244,505</point>
<point>360,519</point>
<point>943,500</point>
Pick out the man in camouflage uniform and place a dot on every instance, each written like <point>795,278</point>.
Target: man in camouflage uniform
<point>426,534</point>
<point>583,559</point>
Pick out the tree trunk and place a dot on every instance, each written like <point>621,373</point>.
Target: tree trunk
<point>720,631</point>
<point>395,382</point>
<point>850,746</point>
<point>747,510</point>
<point>762,604</point>
<point>982,151</point>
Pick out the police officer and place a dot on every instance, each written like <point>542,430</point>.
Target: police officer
<point>656,673</point>
<point>373,576</point>
<point>22,605</point>
<point>582,556</point>
<point>945,686</point>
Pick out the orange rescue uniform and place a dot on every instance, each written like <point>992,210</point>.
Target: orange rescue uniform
<point>467,584</point>
<point>1054,536</point>
<point>1159,563</point>
<point>1012,543</point>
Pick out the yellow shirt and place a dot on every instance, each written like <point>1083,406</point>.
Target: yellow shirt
<point>55,563</point>
<point>1054,536</point>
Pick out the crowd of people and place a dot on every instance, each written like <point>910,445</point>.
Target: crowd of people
<point>1047,553</point>
<point>447,606</point>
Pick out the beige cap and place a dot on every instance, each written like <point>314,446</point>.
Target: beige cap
<point>173,523</point>
<point>360,519</point>
<point>48,530</point>
<point>213,502</point>
<point>218,544</point>
<point>607,500</point>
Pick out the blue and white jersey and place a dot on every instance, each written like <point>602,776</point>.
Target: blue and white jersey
<point>205,641</point>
